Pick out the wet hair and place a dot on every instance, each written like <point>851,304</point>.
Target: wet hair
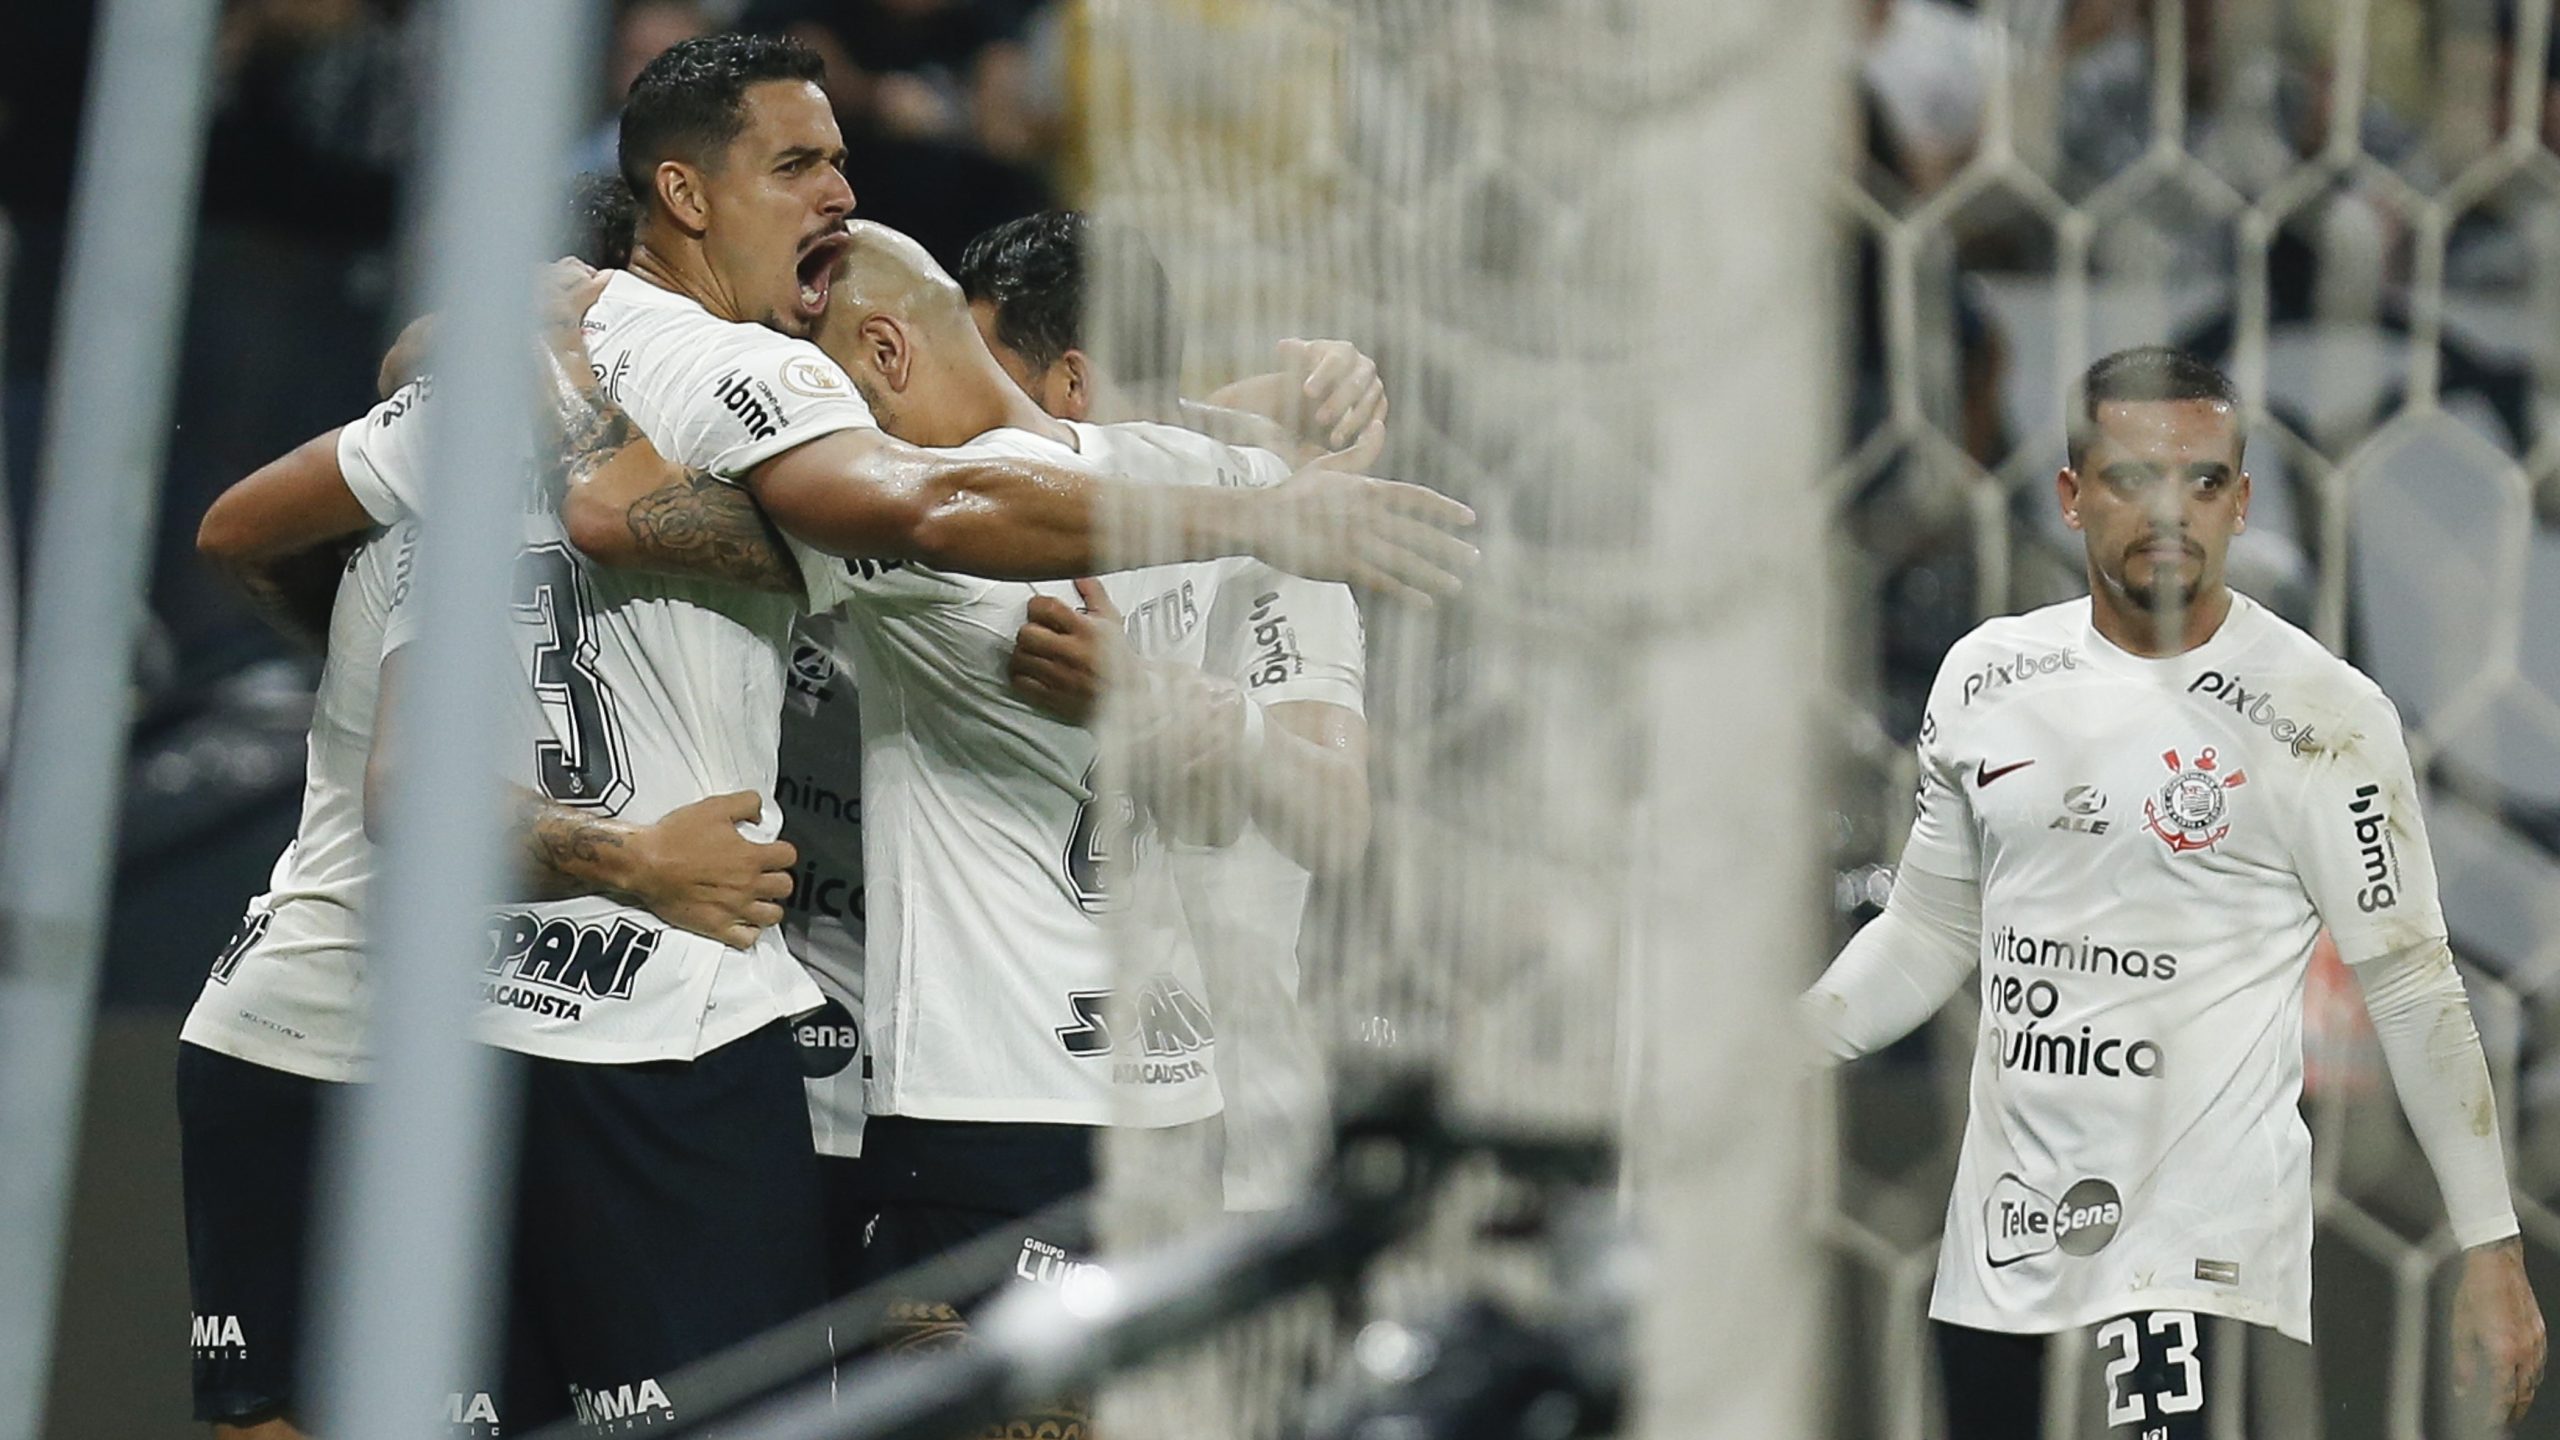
<point>2145,372</point>
<point>1039,273</point>
<point>691,101</point>
<point>603,214</point>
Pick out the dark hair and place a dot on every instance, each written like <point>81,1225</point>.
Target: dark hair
<point>2145,372</point>
<point>603,213</point>
<point>690,102</point>
<point>1038,272</point>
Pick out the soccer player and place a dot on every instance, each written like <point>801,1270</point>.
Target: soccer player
<point>732,152</point>
<point>281,1018</point>
<point>2137,813</point>
<point>1295,647</point>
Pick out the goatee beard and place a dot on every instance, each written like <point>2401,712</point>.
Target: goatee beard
<point>2149,599</point>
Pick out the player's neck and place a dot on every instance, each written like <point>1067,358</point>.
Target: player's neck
<point>684,270</point>
<point>1007,407</point>
<point>2140,630</point>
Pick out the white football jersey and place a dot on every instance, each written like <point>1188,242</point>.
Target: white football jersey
<point>2158,843</point>
<point>995,959</point>
<point>1284,639</point>
<point>647,694</point>
<point>288,991</point>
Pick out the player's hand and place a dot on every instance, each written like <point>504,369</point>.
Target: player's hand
<point>566,290</point>
<point>1382,535</point>
<point>1063,654</point>
<point>1339,393</point>
<point>697,873</point>
<point>2498,1341</point>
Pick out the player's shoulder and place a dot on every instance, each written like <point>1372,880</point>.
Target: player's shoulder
<point>633,317</point>
<point>2283,669</point>
<point>1007,440</point>
<point>2007,648</point>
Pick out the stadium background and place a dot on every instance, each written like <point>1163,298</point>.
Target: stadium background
<point>2343,197</point>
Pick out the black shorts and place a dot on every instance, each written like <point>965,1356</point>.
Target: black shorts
<point>2147,1372</point>
<point>247,1140</point>
<point>936,1185</point>
<point>664,1211</point>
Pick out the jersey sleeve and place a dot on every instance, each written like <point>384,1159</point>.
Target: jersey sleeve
<point>381,456</point>
<point>755,395</point>
<point>2360,842</point>
<point>1943,841</point>
<point>1287,639</point>
<point>399,616</point>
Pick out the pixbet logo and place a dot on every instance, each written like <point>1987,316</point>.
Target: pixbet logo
<point>2020,1222</point>
<point>2373,847</point>
<point>2258,707</point>
<point>2019,667</point>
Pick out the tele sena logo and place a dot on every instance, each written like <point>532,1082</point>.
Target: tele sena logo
<point>2021,1222</point>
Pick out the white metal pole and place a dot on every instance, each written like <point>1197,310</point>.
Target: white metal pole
<point>106,426</point>
<point>419,1181</point>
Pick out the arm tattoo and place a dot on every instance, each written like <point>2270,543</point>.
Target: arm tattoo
<point>567,852</point>
<point>704,527</point>
<point>593,429</point>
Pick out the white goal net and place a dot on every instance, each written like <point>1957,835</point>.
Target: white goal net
<point>1585,242</point>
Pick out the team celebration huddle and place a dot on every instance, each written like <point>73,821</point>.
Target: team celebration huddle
<point>927,725</point>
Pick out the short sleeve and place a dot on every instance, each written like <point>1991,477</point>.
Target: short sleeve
<point>381,456</point>
<point>1943,841</point>
<point>2360,842</point>
<point>1287,639</point>
<point>758,396</point>
<point>399,616</point>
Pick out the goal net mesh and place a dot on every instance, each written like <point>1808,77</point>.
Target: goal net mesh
<point>1585,241</point>
<point>1722,335</point>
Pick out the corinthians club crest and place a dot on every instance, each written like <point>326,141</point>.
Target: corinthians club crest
<point>2189,812</point>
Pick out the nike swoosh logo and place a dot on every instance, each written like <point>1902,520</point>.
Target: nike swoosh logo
<point>2012,1260</point>
<point>1984,775</point>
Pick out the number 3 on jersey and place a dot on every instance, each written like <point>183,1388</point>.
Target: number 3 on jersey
<point>580,763</point>
<point>1103,823</point>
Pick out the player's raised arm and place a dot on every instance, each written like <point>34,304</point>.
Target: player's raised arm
<point>860,494</point>
<point>2371,874</point>
<point>281,533</point>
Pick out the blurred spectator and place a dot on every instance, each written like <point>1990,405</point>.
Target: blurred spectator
<point>1926,67</point>
<point>920,69</point>
<point>938,106</point>
<point>642,31</point>
<point>316,111</point>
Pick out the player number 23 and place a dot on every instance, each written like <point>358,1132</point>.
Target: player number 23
<point>2185,1390</point>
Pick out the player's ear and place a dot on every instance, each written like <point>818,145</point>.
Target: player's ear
<point>680,191</point>
<point>1071,383</point>
<point>2066,488</point>
<point>2243,505</point>
<point>884,343</point>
